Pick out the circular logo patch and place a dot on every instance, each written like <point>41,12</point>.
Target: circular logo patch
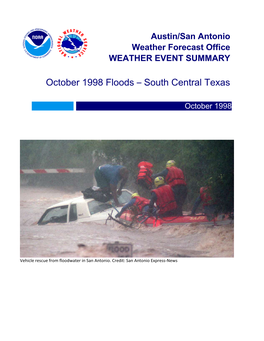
<point>72,43</point>
<point>37,43</point>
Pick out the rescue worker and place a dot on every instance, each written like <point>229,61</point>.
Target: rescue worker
<point>164,198</point>
<point>175,178</point>
<point>108,177</point>
<point>209,206</point>
<point>144,178</point>
<point>141,204</point>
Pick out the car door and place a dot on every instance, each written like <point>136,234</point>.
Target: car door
<point>98,210</point>
<point>57,214</point>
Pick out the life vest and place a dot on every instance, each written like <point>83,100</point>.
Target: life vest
<point>165,199</point>
<point>145,173</point>
<point>205,197</point>
<point>141,202</point>
<point>145,164</point>
<point>175,176</point>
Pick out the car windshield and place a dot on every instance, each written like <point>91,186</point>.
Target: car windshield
<point>124,197</point>
<point>97,206</point>
<point>54,215</point>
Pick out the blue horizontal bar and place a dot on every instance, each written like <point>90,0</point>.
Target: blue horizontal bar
<point>52,106</point>
<point>161,106</point>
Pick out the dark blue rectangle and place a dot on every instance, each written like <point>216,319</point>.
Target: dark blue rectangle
<point>65,106</point>
<point>157,106</point>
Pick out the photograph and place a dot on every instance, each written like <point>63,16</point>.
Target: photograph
<point>127,198</point>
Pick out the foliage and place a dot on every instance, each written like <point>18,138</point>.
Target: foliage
<point>51,154</point>
<point>200,160</point>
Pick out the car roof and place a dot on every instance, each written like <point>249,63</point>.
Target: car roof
<point>71,201</point>
<point>78,200</point>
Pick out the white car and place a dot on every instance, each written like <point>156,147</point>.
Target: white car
<point>81,210</point>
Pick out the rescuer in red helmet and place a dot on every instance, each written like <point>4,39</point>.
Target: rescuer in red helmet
<point>174,177</point>
<point>141,204</point>
<point>164,198</point>
<point>209,205</point>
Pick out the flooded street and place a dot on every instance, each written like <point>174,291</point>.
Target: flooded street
<point>90,239</point>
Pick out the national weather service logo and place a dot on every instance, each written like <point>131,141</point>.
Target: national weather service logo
<point>72,43</point>
<point>37,43</point>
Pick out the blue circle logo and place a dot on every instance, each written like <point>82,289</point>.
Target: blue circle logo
<point>37,43</point>
<point>72,43</point>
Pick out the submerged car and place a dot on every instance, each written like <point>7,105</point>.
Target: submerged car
<point>81,210</point>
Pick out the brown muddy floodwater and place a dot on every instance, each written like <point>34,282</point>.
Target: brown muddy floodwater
<point>62,240</point>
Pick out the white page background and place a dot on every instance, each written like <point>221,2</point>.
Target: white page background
<point>204,299</point>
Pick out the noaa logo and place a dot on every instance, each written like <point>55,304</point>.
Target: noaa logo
<point>72,43</point>
<point>37,43</point>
